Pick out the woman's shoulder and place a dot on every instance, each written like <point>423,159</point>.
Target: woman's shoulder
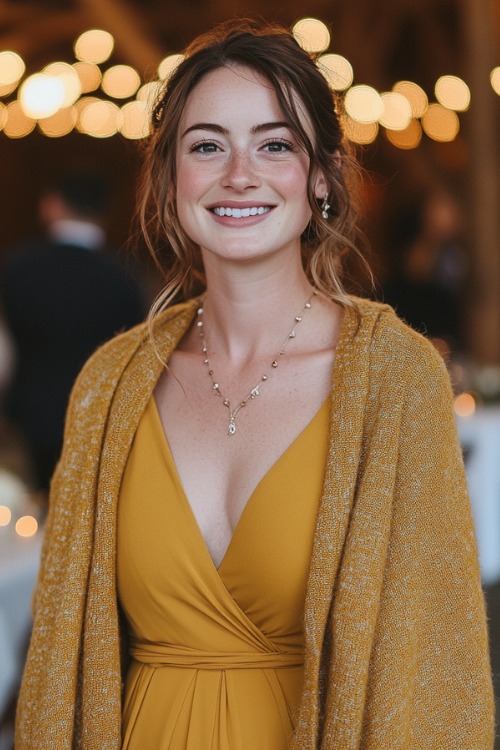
<point>393,344</point>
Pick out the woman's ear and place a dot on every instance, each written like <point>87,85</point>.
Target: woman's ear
<point>320,186</point>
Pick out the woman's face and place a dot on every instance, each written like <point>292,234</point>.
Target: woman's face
<point>241,173</point>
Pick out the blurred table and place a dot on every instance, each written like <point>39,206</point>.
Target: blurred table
<point>19,562</point>
<point>480,438</point>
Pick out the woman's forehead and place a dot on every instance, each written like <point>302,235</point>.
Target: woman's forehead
<point>239,91</point>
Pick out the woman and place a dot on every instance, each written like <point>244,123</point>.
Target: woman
<point>264,487</point>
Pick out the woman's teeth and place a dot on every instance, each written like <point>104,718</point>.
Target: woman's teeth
<point>238,213</point>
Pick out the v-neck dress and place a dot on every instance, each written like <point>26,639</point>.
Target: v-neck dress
<point>216,654</point>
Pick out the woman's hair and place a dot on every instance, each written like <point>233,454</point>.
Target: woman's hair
<point>272,52</point>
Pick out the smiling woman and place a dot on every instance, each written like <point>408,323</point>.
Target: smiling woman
<point>261,502</point>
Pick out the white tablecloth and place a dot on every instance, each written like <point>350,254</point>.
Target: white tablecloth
<point>19,561</point>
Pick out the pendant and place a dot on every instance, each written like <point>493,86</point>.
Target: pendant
<point>232,426</point>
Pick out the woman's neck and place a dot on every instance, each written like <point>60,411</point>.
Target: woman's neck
<point>251,315</point>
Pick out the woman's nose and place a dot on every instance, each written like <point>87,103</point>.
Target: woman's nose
<point>240,172</point>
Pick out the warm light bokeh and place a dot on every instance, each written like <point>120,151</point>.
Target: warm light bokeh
<point>5,515</point>
<point>69,79</point>
<point>440,123</point>
<point>26,526</point>
<point>359,132</point>
<point>495,79</point>
<point>452,93</point>
<point>168,65</point>
<point>396,114</point>
<point>312,34</point>
<point>89,74</point>
<point>41,95</point>
<point>363,104</point>
<point>464,405</point>
<point>18,124</point>
<point>99,119</point>
<point>415,95</point>
<point>94,46</point>
<point>408,138</point>
<point>134,122</point>
<point>337,71</point>
<point>12,68</point>
<point>59,124</point>
<point>120,81</point>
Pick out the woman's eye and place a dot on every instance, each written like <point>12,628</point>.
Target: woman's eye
<point>205,147</point>
<point>278,147</point>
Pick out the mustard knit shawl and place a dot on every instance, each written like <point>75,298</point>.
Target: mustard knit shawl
<point>396,641</point>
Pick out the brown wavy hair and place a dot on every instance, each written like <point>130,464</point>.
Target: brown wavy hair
<point>271,51</point>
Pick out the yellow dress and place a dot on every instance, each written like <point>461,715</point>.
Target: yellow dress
<point>217,654</point>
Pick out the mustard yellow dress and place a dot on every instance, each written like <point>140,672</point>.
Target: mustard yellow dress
<point>217,654</point>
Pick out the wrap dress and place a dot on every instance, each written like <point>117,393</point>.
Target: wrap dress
<point>216,654</point>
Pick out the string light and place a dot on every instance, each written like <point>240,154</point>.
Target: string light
<point>134,121</point>
<point>41,95</point>
<point>18,124</point>
<point>440,124</point>
<point>364,104</point>
<point>312,34</point>
<point>94,46</point>
<point>408,138</point>
<point>337,71</point>
<point>120,81</point>
<point>452,93</point>
<point>404,112</point>
<point>396,113</point>
<point>168,65</point>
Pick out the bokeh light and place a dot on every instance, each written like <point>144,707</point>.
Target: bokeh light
<point>134,122</point>
<point>464,405</point>
<point>453,93</point>
<point>69,79</point>
<point>12,68</point>
<point>337,71</point>
<point>5,515</point>
<point>120,81</point>
<point>359,132</point>
<point>396,113</point>
<point>168,65</point>
<point>89,74</point>
<point>364,104</point>
<point>3,115</point>
<point>59,124</point>
<point>312,34</point>
<point>18,124</point>
<point>41,95</point>
<point>94,46</point>
<point>495,79</point>
<point>440,124</point>
<point>99,119</point>
<point>415,95</point>
<point>26,526</point>
<point>408,138</point>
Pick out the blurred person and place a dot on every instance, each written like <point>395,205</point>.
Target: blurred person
<point>426,283</point>
<point>62,295</point>
<point>259,535</point>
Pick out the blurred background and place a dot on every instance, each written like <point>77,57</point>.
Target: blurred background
<point>418,83</point>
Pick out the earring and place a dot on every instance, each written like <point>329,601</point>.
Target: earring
<point>325,207</point>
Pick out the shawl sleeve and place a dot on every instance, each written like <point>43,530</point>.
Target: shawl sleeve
<point>429,685</point>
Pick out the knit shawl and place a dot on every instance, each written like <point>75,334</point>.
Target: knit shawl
<point>396,651</point>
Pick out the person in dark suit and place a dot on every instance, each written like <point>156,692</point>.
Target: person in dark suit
<point>62,296</point>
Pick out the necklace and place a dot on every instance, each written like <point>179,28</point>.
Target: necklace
<point>255,391</point>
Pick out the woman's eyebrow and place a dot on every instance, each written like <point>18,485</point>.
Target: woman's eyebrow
<point>214,128</point>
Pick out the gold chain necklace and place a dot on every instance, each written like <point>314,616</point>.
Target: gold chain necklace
<point>255,391</point>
